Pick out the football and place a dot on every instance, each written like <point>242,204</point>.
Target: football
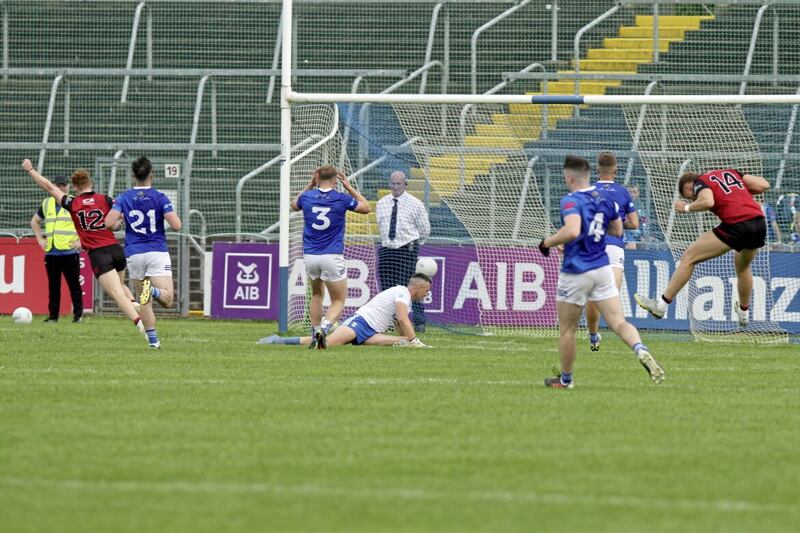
<point>427,266</point>
<point>22,315</point>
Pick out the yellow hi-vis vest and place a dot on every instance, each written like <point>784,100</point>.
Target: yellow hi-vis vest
<point>58,227</point>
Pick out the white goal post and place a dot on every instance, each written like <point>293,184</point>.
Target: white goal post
<point>420,115</point>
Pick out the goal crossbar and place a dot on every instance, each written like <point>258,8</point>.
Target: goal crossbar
<point>589,99</point>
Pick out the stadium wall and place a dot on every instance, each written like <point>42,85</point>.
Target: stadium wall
<point>512,290</point>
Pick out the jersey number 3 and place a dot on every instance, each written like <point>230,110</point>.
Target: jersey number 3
<point>596,228</point>
<point>728,180</point>
<point>324,221</point>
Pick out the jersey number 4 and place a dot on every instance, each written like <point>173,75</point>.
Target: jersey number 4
<point>91,220</point>
<point>322,217</point>
<point>596,228</point>
<point>727,181</point>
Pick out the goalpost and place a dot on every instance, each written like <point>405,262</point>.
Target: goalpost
<point>493,197</point>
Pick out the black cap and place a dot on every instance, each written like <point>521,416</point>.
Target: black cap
<point>60,180</point>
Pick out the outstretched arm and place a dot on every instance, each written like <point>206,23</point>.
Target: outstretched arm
<point>755,184</point>
<point>703,202</point>
<point>43,182</point>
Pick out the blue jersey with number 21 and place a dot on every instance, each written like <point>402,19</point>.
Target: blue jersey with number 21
<point>324,215</point>
<point>588,251</point>
<point>144,209</point>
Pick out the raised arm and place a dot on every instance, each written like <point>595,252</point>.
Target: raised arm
<point>43,182</point>
<point>363,206</point>
<point>310,187</point>
<point>755,184</point>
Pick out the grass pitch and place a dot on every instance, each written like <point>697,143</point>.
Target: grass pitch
<point>215,433</point>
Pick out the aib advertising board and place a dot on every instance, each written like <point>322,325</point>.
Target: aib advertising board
<point>511,285</point>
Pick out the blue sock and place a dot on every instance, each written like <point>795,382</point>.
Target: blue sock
<point>594,337</point>
<point>566,379</point>
<point>155,292</point>
<point>152,336</point>
<point>290,340</point>
<point>638,346</point>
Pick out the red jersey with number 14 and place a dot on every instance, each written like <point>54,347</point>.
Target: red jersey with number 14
<point>732,201</point>
<point>89,212</point>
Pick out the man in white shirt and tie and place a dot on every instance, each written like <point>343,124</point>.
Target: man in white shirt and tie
<point>403,223</point>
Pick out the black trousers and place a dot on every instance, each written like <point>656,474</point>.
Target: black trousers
<point>395,267</point>
<point>70,267</point>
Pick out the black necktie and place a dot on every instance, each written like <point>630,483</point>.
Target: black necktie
<point>393,221</point>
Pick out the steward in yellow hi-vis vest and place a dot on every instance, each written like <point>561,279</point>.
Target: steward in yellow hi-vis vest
<point>59,240</point>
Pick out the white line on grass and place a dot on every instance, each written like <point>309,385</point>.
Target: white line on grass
<point>501,496</point>
<point>340,381</point>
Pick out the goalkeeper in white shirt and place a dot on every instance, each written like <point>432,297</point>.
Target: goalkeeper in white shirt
<point>370,321</point>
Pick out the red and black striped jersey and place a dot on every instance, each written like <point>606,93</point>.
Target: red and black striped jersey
<point>732,201</point>
<point>89,212</point>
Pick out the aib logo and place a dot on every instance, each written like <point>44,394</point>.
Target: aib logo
<point>247,274</point>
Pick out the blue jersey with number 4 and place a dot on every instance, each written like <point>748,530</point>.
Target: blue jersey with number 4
<point>144,209</point>
<point>588,251</point>
<point>324,215</point>
<point>619,195</point>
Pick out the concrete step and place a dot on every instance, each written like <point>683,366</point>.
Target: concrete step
<point>645,31</point>
<point>626,43</point>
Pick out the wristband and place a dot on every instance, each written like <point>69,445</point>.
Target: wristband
<point>686,207</point>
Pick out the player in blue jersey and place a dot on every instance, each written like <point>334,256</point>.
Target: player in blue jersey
<point>615,248</point>
<point>587,215</point>
<point>145,210</point>
<point>324,213</point>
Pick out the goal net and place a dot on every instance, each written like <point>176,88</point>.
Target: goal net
<point>483,202</point>
<point>674,139</point>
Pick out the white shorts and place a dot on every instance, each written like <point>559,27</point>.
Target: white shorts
<point>594,285</point>
<point>328,267</point>
<point>616,256</point>
<point>149,265</point>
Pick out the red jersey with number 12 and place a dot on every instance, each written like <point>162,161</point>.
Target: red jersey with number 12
<point>732,201</point>
<point>89,212</point>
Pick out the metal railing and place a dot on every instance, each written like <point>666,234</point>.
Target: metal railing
<point>363,114</point>
<point>137,15</point>
<point>638,133</point>
<point>577,47</point>
<point>462,119</point>
<point>477,33</point>
<point>754,40</point>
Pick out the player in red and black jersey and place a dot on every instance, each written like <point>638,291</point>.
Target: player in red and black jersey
<point>729,195</point>
<point>88,210</point>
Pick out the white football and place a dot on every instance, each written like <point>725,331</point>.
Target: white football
<point>22,315</point>
<point>427,266</point>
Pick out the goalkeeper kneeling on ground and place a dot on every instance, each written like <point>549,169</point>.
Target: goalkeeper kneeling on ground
<point>368,324</point>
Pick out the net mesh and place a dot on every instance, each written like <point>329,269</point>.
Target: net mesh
<point>699,138</point>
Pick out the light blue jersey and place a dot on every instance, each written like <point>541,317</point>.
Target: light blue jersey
<point>588,251</point>
<point>324,214</point>
<point>619,195</point>
<point>144,209</point>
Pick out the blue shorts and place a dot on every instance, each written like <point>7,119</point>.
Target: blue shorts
<point>360,326</point>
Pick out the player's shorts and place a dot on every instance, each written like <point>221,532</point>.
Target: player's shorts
<point>362,329</point>
<point>149,265</point>
<point>106,259</point>
<point>616,256</point>
<point>747,234</point>
<point>594,285</point>
<point>328,267</point>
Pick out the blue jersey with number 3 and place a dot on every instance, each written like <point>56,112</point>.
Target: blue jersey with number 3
<point>588,251</point>
<point>144,209</point>
<point>324,215</point>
